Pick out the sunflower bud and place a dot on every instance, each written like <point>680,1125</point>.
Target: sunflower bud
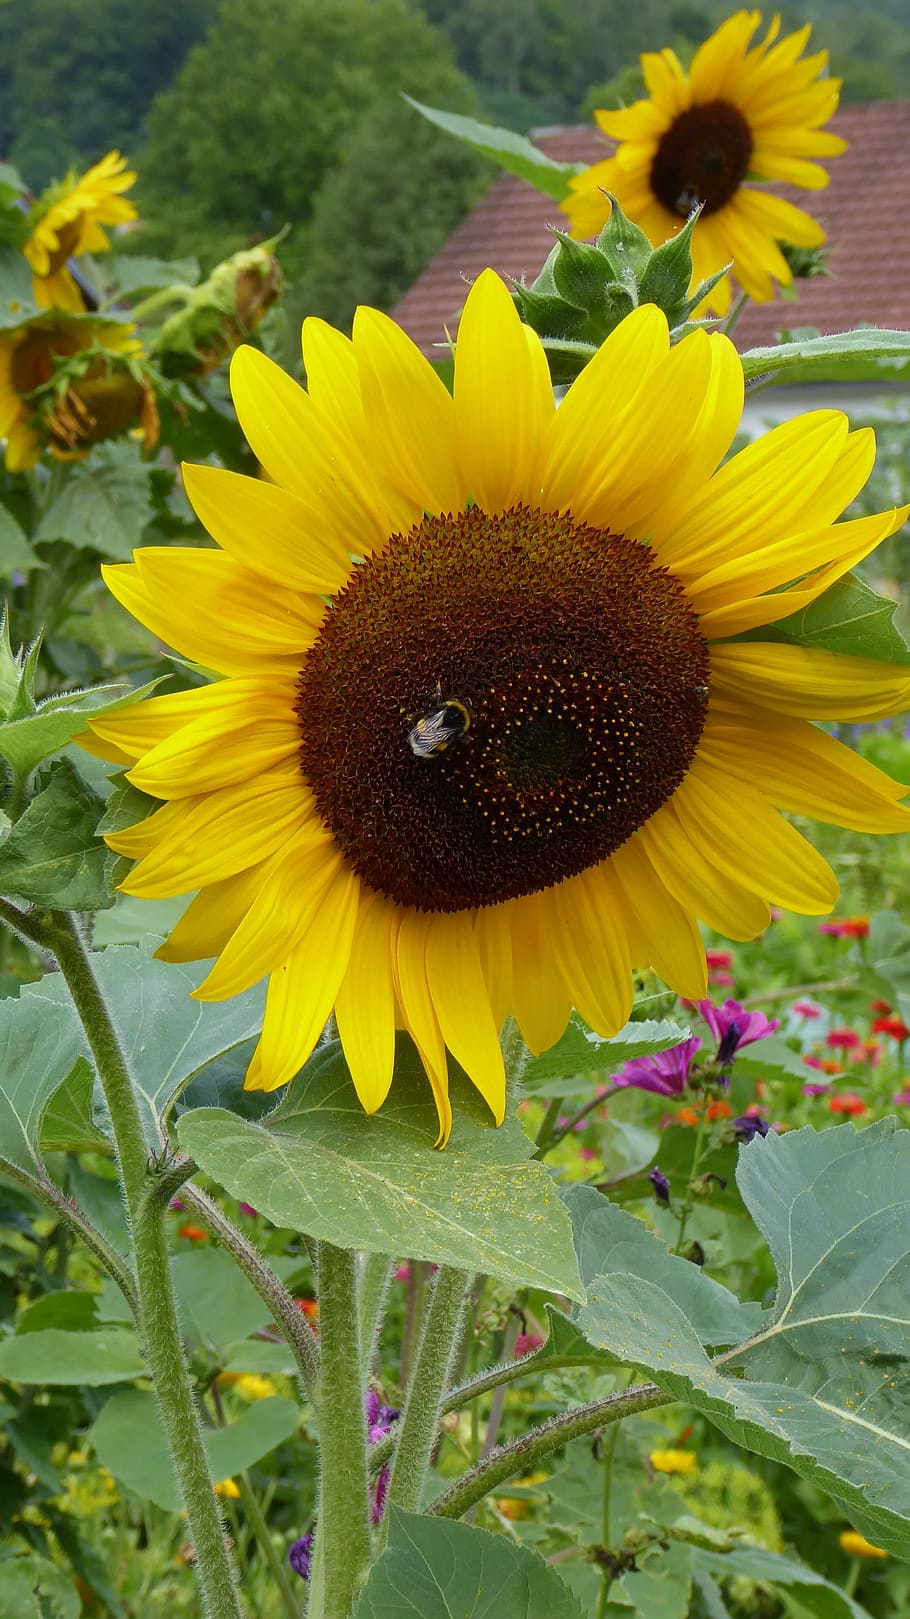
<point>221,313</point>
<point>584,290</point>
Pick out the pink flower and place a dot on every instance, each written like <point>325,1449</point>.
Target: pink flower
<point>526,1343</point>
<point>806,1009</point>
<point>667,1073</point>
<point>732,1026</point>
<point>843,1039</point>
<point>816,1090</point>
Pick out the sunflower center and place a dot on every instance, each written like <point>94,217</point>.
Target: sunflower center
<point>494,704</point>
<point>703,157</point>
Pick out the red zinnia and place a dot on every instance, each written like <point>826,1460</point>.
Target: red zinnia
<point>849,1103</point>
<point>891,1025</point>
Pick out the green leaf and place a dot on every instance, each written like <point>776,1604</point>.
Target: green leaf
<point>16,301</point>
<point>755,1563</point>
<point>33,1588</point>
<point>824,1385</point>
<point>68,1124</point>
<point>57,1356</point>
<point>258,1355</point>
<point>52,856</point>
<point>104,504</point>
<point>39,1047</point>
<point>167,1038</point>
<point>848,618</point>
<point>15,552</point>
<point>130,919</point>
<point>75,1312</point>
<point>608,1239</point>
<point>844,356</point>
<point>320,1165</point>
<point>127,275</point>
<point>130,1442</point>
<point>25,742</point>
<point>217,1304</point>
<point>512,152</point>
<point>566,1069</point>
<point>771,1058</point>
<point>435,1569</point>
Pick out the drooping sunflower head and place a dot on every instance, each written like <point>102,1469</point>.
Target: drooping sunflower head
<point>67,220</point>
<point>742,113</point>
<point>41,405</point>
<point>482,741</point>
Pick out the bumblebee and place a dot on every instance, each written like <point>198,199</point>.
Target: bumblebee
<point>446,724</point>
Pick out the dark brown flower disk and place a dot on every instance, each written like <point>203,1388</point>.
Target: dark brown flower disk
<point>581,665</point>
<point>703,157</point>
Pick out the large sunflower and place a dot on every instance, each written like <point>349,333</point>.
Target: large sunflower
<point>482,741</point>
<point>739,115</point>
<point>67,220</point>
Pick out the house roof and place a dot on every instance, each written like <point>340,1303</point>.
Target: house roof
<point>865,211</point>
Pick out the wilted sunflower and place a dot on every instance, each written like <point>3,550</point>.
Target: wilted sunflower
<point>67,220</point>
<point>508,750</point>
<point>104,401</point>
<point>739,115</point>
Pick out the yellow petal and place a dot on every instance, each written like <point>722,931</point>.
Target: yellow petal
<point>137,728</point>
<point>409,414</point>
<point>590,946</point>
<point>216,752</point>
<point>494,946</point>
<point>302,992</point>
<point>365,1004</point>
<point>269,530</point>
<point>418,1012</point>
<point>694,880</point>
<point>750,843</point>
<point>207,924</point>
<point>292,885</point>
<point>503,399</point>
<point>809,684</point>
<point>540,1002</point>
<point>462,1007</point>
<point>665,934</point>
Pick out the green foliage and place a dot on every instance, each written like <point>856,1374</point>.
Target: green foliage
<point>580,1056</point>
<point>432,1569</point>
<point>320,1165</point>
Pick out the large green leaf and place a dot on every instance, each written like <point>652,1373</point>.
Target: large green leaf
<point>844,356</point>
<point>848,618</point>
<point>166,1036</point>
<point>39,1046</point>
<point>104,504</point>
<point>824,1385</point>
<point>771,1058</point>
<point>608,1240</point>
<point>319,1165</point>
<point>16,299</point>
<point>15,552</point>
<point>33,1588</point>
<point>57,1356</point>
<point>68,1124</point>
<point>130,1442</point>
<point>435,1569</point>
<point>566,1069</point>
<point>217,1304</point>
<point>52,855</point>
<point>819,1596</point>
<point>513,152</point>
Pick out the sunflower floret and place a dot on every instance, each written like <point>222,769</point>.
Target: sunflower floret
<point>568,583</point>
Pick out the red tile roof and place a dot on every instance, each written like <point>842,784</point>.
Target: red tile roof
<point>865,210</point>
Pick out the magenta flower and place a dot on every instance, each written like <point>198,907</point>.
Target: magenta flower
<point>732,1026</point>
<point>667,1073</point>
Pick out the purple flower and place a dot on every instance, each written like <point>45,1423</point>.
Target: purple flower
<point>667,1073</point>
<point>380,1489</point>
<point>732,1026</point>
<point>750,1125</point>
<point>379,1417</point>
<point>300,1556</point>
<point>660,1184</point>
<point>816,1090</point>
<point>247,1208</point>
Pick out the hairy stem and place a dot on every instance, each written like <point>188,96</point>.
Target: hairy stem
<point>293,1326</point>
<point>522,1454</point>
<point>107,1256</point>
<point>157,1314</point>
<point>420,1418</point>
<point>342,1549</point>
<point>375,1272</point>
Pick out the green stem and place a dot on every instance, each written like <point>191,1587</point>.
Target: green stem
<point>300,1337</point>
<point>419,1272</point>
<point>696,1162</point>
<point>521,1455</point>
<point>420,1419</point>
<point>375,1271</point>
<point>606,1530</point>
<point>107,1257</point>
<point>342,1549</point>
<point>735,313</point>
<point>256,1520</point>
<point>178,293</point>
<point>558,1135</point>
<point>543,1139</point>
<point>157,1313</point>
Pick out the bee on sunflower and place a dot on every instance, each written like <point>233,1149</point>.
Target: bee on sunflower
<point>743,113</point>
<point>577,579</point>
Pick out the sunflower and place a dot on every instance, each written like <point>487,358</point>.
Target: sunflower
<point>483,741</point>
<point>104,401</point>
<point>67,220</point>
<point>741,114</point>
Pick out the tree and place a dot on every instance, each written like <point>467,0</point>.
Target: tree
<point>259,120</point>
